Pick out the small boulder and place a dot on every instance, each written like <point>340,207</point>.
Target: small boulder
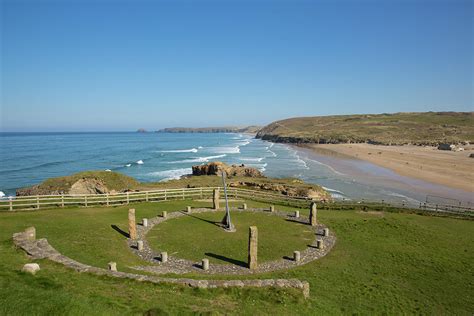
<point>31,268</point>
<point>446,147</point>
<point>471,155</point>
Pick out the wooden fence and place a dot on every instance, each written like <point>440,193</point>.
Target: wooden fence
<point>88,200</point>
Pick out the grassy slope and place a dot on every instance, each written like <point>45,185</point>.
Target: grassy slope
<point>112,180</point>
<point>398,128</point>
<point>120,182</point>
<point>395,263</point>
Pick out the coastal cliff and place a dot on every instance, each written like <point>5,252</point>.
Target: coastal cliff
<point>430,128</point>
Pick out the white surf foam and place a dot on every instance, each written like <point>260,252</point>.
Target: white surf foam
<point>199,159</point>
<point>140,162</point>
<point>171,174</point>
<point>272,152</point>
<point>2,195</point>
<point>192,150</point>
<point>108,170</point>
<point>128,165</point>
<point>226,150</point>
<point>252,159</point>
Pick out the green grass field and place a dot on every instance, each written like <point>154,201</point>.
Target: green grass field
<point>382,263</point>
<point>196,236</point>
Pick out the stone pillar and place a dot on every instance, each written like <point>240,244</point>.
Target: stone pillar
<point>140,245</point>
<point>253,247</point>
<point>296,256</point>
<point>132,227</point>
<point>164,257</point>
<point>326,232</point>
<point>30,233</point>
<point>319,244</point>
<point>313,215</point>
<point>272,208</point>
<point>188,209</point>
<point>297,214</point>
<point>145,222</point>
<point>215,199</point>
<point>164,214</point>
<point>244,206</point>
<point>205,264</point>
<point>113,266</point>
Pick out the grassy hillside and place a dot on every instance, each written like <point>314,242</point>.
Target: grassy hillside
<point>382,263</point>
<point>429,128</point>
<point>119,182</point>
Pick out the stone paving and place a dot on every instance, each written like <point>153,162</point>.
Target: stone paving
<point>180,266</point>
<point>41,249</point>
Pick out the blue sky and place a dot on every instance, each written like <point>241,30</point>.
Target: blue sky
<point>119,65</point>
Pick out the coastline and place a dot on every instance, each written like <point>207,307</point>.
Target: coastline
<point>447,168</point>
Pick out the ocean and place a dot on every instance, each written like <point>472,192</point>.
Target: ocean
<point>29,158</point>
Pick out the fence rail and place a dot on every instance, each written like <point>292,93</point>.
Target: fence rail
<point>88,200</point>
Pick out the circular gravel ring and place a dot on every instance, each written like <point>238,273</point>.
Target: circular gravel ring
<point>180,266</point>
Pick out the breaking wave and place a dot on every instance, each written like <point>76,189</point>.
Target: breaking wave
<point>172,174</point>
<point>192,150</point>
<point>199,159</point>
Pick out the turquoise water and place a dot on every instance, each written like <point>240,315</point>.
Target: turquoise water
<point>29,158</point>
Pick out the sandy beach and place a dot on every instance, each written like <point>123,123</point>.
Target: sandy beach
<point>452,169</point>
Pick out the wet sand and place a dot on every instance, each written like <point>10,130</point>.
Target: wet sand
<point>451,169</point>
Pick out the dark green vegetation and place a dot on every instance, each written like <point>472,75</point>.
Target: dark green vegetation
<point>277,237</point>
<point>223,129</point>
<point>429,128</point>
<point>382,263</point>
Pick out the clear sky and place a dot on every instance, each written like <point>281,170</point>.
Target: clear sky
<point>120,65</point>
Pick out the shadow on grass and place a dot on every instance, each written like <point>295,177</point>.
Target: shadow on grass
<point>121,232</point>
<point>230,260</point>
<point>202,219</point>
<point>296,221</point>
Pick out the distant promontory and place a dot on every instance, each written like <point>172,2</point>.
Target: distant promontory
<point>223,129</point>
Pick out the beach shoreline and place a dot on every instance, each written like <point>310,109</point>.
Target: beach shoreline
<point>448,168</point>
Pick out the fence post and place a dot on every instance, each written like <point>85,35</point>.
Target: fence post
<point>85,200</point>
<point>166,193</point>
<point>11,203</point>
<point>146,196</point>
<point>37,202</point>
<point>128,198</point>
<point>236,194</point>
<point>201,193</point>
<point>183,193</point>
<point>107,198</point>
<point>62,200</point>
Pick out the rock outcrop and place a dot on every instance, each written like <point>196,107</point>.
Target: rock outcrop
<point>216,168</point>
<point>88,186</point>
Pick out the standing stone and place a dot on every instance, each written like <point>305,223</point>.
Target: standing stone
<point>272,208</point>
<point>145,222</point>
<point>205,264</point>
<point>313,215</point>
<point>113,266</point>
<point>30,233</point>
<point>253,247</point>
<point>215,199</point>
<point>31,268</point>
<point>140,245</point>
<point>297,214</point>
<point>319,244</point>
<point>164,214</point>
<point>132,227</point>
<point>164,257</point>
<point>188,209</point>
<point>244,206</point>
<point>326,232</point>
<point>296,256</point>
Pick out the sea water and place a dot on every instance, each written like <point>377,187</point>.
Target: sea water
<point>29,158</point>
